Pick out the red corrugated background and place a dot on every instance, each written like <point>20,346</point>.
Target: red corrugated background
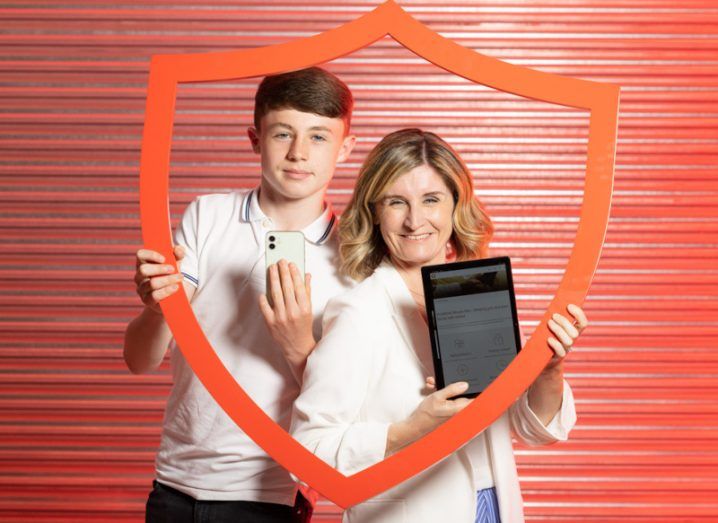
<point>78,432</point>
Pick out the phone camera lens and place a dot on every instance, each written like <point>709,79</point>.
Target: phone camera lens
<point>271,246</point>
<point>271,238</point>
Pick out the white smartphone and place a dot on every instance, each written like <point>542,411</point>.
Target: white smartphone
<point>287,245</point>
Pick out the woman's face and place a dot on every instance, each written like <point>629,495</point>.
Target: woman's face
<point>415,218</point>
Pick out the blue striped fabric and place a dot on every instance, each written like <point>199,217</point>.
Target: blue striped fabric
<point>191,278</point>
<point>328,230</point>
<point>487,506</point>
<point>248,201</point>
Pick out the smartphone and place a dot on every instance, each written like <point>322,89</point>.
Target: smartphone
<point>286,245</point>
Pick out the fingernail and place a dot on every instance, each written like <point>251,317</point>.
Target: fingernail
<point>464,384</point>
<point>555,316</point>
<point>173,287</point>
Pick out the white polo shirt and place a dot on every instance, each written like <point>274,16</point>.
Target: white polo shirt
<point>202,452</point>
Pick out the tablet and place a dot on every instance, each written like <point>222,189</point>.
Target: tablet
<point>474,328</point>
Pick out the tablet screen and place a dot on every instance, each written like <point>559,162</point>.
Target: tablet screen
<point>472,318</point>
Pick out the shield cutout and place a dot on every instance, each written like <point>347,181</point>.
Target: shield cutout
<point>167,71</point>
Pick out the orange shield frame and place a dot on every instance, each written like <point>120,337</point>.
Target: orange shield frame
<point>387,19</point>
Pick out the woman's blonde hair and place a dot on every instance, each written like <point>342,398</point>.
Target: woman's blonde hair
<point>362,246</point>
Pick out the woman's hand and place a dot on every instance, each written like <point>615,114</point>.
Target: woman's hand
<point>289,318</point>
<point>434,410</point>
<point>566,332</point>
<point>546,393</point>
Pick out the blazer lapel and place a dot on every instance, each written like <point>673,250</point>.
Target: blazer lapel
<point>407,317</point>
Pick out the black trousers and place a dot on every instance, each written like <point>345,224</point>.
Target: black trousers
<point>168,505</point>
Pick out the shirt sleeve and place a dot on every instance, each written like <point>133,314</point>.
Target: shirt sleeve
<point>186,235</point>
<point>527,427</point>
<point>327,413</point>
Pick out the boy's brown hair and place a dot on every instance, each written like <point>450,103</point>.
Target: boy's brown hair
<point>311,90</point>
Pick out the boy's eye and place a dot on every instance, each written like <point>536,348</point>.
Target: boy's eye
<point>319,138</point>
<point>281,136</point>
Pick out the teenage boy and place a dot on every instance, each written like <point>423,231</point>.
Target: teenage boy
<point>206,466</point>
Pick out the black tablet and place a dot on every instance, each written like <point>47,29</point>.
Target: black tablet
<point>473,323</point>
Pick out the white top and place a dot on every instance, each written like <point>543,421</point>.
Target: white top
<point>202,452</point>
<point>367,372</point>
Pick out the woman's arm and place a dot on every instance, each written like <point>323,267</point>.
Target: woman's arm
<point>546,393</point>
<point>546,412</point>
<point>337,382</point>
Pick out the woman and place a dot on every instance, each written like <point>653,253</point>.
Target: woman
<point>365,395</point>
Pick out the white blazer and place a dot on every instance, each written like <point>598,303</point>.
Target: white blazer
<point>369,371</point>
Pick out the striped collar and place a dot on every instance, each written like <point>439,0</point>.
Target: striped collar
<point>317,232</point>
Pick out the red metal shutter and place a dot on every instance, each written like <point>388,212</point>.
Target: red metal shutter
<point>78,433</point>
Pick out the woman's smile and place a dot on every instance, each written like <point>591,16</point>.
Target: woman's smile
<point>416,237</point>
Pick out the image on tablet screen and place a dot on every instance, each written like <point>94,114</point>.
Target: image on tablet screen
<point>475,326</point>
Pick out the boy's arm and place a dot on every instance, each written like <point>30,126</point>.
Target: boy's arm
<point>148,335</point>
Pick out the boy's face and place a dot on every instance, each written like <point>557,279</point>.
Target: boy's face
<point>299,151</point>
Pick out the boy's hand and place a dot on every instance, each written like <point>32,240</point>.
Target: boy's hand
<point>156,280</point>
<point>289,318</point>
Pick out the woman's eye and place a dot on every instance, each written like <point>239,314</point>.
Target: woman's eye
<point>431,200</point>
<point>395,203</point>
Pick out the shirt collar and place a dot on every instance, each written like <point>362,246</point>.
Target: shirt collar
<point>317,232</point>
<point>250,210</point>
